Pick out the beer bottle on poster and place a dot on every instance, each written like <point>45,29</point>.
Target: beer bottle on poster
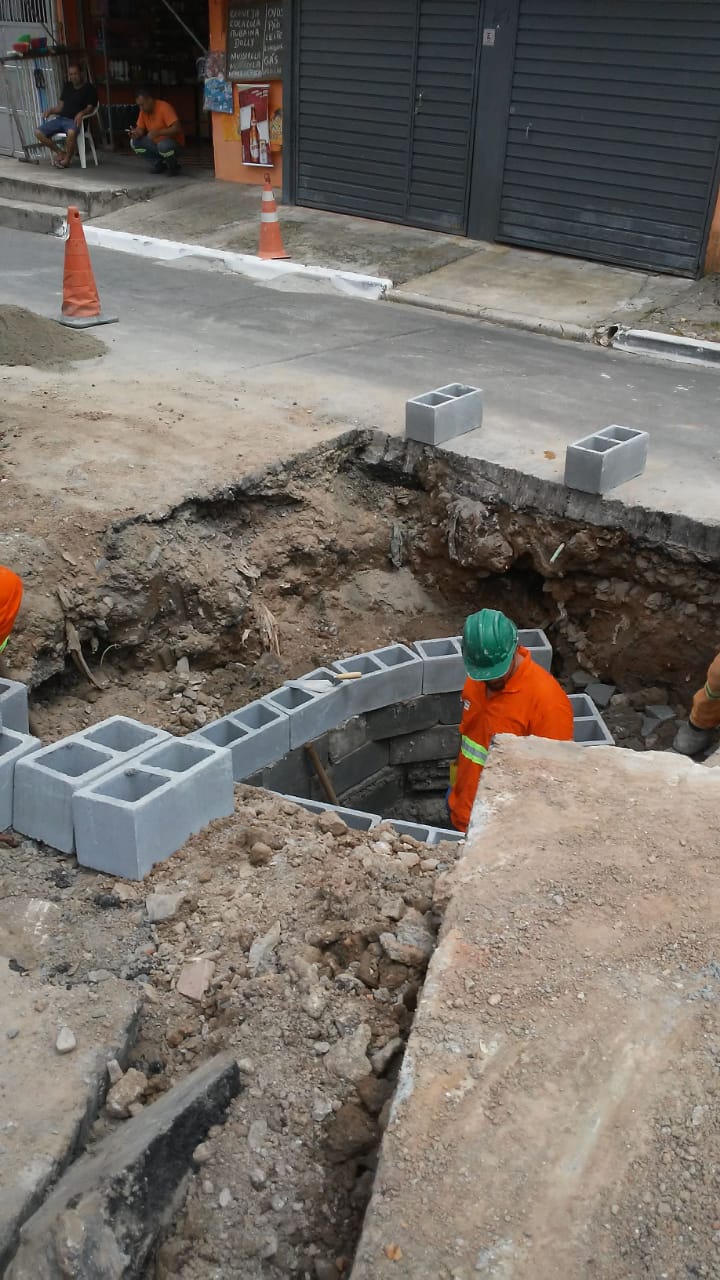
<point>254,138</point>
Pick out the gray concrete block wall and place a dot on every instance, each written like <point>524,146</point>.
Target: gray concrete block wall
<point>392,674</point>
<point>440,415</point>
<point>609,457</point>
<point>256,735</point>
<point>14,706</point>
<point>142,813</point>
<point>440,743</point>
<point>13,746</point>
<point>47,779</point>
<point>310,710</point>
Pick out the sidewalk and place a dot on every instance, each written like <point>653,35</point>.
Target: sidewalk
<point>547,293</point>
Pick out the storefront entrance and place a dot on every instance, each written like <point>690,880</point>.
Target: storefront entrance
<point>385,108</point>
<point>156,44</point>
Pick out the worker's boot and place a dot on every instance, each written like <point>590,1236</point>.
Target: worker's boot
<point>690,741</point>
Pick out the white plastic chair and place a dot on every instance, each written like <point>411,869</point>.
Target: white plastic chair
<point>83,134</point>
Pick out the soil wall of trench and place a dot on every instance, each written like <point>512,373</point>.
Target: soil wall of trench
<point>359,542</point>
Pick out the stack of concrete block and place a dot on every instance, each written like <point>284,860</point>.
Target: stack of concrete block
<point>589,728</point>
<point>606,459</point>
<point>47,780</point>
<point>442,414</point>
<point>13,746</point>
<point>140,814</point>
<point>14,706</point>
<point>256,735</point>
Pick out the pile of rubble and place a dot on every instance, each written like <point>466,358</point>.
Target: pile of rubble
<point>299,946</point>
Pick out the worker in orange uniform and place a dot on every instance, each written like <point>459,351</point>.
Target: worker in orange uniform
<point>506,692</point>
<point>694,736</point>
<point>11,592</point>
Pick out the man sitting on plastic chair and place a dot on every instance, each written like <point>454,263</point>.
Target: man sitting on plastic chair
<point>79,100</point>
<point>158,134</point>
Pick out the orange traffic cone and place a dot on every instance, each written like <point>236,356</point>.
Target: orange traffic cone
<point>271,245</point>
<point>81,303</point>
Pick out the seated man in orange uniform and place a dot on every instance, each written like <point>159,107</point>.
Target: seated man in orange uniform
<point>11,592</point>
<point>506,692</point>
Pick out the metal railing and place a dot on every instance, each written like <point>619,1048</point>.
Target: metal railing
<point>28,86</point>
<point>26,12</point>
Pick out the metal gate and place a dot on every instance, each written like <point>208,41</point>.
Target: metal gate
<point>27,85</point>
<point>384,110</point>
<point>614,129</point>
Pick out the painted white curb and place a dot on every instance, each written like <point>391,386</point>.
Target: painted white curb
<point>246,264</point>
<point>672,347</point>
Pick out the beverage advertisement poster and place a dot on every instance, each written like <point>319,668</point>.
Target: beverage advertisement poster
<point>254,123</point>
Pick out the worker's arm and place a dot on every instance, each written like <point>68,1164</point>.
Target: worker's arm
<point>86,111</point>
<point>53,111</point>
<point>170,130</point>
<point>139,129</point>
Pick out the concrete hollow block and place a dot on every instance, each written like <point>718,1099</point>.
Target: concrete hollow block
<point>443,667</point>
<point>607,458</point>
<point>352,817</point>
<point>392,674</point>
<point>438,834</point>
<point>45,785</point>
<point>144,812</point>
<point>14,706</point>
<point>257,735</point>
<point>13,746</point>
<point>589,728</point>
<point>122,734</point>
<point>440,415</point>
<point>311,709</point>
<point>413,829</point>
<point>538,645</point>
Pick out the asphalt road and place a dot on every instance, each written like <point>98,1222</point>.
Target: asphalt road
<point>540,393</point>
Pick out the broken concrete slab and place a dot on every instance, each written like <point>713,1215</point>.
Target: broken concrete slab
<point>559,1056</point>
<point>49,1099</point>
<point>104,1215</point>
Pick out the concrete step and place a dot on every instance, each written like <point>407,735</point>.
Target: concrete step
<point>30,215</point>
<point>92,192</point>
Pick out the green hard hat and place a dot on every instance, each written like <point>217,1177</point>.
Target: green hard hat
<point>488,644</point>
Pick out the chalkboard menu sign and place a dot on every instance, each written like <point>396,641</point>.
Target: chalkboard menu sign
<point>254,42</point>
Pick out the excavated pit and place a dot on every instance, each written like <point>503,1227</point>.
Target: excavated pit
<point>187,614</point>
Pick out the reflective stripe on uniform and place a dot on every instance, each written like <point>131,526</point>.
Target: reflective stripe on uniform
<point>4,644</point>
<point>714,697</point>
<point>474,751</point>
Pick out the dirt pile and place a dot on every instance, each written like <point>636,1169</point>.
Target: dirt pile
<point>301,946</point>
<point>29,339</point>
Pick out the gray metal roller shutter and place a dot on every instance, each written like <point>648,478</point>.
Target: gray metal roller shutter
<point>355,94</point>
<point>447,58</point>
<point>613,130</point>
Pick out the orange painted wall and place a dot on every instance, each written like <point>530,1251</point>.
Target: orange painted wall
<point>228,155</point>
